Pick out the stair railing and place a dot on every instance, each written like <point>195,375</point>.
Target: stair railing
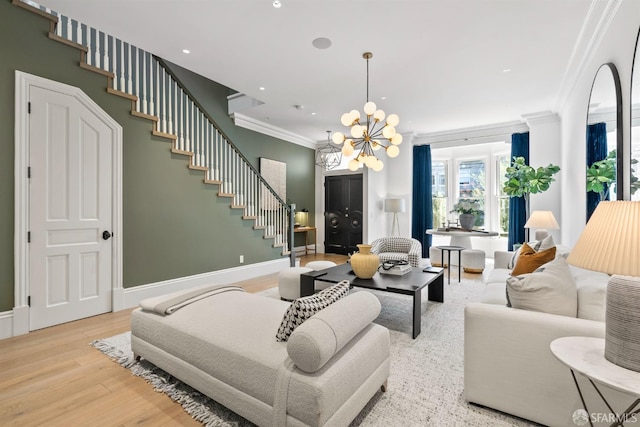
<point>157,94</point>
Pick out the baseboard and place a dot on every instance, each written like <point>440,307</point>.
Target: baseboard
<point>6,324</point>
<point>133,296</point>
<point>16,322</point>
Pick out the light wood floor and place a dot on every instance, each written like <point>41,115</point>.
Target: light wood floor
<point>53,376</point>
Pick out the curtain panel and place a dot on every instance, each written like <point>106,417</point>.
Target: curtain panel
<point>422,210</point>
<point>596,151</point>
<point>517,209</point>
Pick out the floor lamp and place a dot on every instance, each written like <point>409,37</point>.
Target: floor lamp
<point>394,206</point>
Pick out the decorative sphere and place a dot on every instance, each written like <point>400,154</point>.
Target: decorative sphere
<point>357,131</point>
<point>396,139</point>
<point>371,161</point>
<point>378,166</point>
<point>393,151</point>
<point>347,150</point>
<point>355,115</point>
<point>354,165</point>
<point>338,137</point>
<point>388,131</point>
<point>393,120</point>
<point>378,115</point>
<point>346,119</point>
<point>375,145</point>
<point>370,108</point>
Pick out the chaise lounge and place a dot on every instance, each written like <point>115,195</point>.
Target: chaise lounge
<point>222,341</point>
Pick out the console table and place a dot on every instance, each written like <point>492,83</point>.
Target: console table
<point>462,237</point>
<point>585,355</point>
<point>306,231</point>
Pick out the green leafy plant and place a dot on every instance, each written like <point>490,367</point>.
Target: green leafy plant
<point>523,180</point>
<point>601,175</point>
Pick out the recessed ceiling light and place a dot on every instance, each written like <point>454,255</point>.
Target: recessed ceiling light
<point>383,97</point>
<point>186,51</point>
<point>321,43</point>
<point>313,114</point>
<point>261,88</point>
<point>277,4</point>
<point>506,70</point>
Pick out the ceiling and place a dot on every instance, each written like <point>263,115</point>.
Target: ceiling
<point>439,63</point>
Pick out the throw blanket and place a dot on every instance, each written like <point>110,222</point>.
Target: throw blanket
<point>167,304</point>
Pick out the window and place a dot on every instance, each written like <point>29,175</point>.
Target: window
<point>472,180</point>
<point>439,184</point>
<point>503,162</point>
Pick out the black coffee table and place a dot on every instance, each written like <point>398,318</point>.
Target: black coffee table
<point>410,283</point>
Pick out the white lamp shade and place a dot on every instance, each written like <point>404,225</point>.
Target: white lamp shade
<point>394,205</point>
<point>542,219</point>
<point>610,241</point>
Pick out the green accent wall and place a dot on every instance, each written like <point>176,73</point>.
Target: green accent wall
<point>174,225</point>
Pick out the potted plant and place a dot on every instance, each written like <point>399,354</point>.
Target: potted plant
<point>601,175</point>
<point>467,209</point>
<point>523,180</point>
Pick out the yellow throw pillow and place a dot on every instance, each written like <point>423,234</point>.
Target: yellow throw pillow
<point>529,259</point>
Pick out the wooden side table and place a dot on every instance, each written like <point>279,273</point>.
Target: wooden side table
<point>585,355</point>
<point>306,231</point>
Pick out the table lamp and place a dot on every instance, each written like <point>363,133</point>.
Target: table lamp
<point>610,243</point>
<point>542,220</point>
<point>395,206</point>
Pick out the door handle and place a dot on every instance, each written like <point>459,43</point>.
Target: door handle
<point>106,235</point>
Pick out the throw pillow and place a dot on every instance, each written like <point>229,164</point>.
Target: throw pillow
<point>529,259</point>
<point>536,245</point>
<point>551,290</point>
<point>303,308</point>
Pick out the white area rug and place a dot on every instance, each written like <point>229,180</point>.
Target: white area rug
<point>425,387</point>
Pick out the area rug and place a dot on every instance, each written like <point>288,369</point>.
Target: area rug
<point>425,387</point>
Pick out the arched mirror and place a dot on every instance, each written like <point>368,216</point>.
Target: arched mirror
<point>604,139</point>
<point>635,124</point>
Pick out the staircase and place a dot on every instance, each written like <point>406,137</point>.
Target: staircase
<point>157,95</point>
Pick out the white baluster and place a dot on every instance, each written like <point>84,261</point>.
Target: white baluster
<point>136,57</point>
<point>182,95</point>
<point>169,104</point>
<point>158,102</point>
<point>163,94</point>
<point>96,49</point>
<point>114,63</point>
<point>105,47</point>
<point>59,25</point>
<point>129,82</point>
<point>78,38</point>
<point>69,29</point>
<point>122,87</point>
<point>88,57</point>
<point>144,82</point>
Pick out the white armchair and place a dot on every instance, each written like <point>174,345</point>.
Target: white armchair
<point>398,249</point>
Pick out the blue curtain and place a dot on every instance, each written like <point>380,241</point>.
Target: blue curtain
<point>422,213</point>
<point>517,210</point>
<point>596,151</point>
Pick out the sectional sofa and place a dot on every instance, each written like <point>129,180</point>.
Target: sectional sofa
<point>508,365</point>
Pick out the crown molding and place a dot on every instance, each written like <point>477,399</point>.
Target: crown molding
<point>540,118</point>
<point>261,127</point>
<point>472,135</point>
<point>595,26</point>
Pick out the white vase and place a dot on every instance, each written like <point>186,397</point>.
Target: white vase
<point>467,221</point>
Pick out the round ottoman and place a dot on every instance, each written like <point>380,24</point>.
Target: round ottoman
<point>320,265</point>
<point>473,260</point>
<point>289,282</point>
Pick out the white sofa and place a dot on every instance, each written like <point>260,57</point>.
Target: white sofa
<point>225,346</point>
<point>508,365</point>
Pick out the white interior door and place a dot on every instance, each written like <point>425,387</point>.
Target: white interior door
<point>70,207</point>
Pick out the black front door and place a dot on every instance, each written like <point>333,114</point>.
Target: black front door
<point>343,216</point>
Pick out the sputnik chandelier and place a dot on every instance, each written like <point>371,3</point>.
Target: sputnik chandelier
<point>366,138</point>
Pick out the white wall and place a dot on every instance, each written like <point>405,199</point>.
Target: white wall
<point>616,46</point>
